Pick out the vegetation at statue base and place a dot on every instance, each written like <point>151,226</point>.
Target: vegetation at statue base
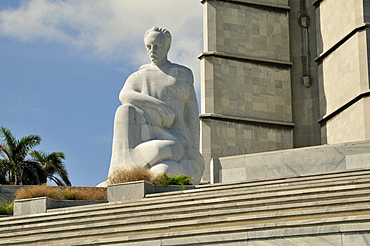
<point>139,173</point>
<point>62,193</point>
<point>134,174</point>
<point>21,165</point>
<point>6,209</point>
<point>166,179</point>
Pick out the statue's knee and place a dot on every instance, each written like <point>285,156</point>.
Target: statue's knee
<point>130,112</point>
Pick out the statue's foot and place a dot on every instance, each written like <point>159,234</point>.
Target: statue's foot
<point>170,167</point>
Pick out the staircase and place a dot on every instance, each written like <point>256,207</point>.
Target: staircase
<point>326,209</point>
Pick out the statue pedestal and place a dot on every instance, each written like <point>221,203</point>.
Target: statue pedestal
<point>42,204</point>
<point>138,190</point>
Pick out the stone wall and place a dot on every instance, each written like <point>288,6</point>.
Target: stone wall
<point>304,81</point>
<point>343,46</point>
<point>246,88</point>
<point>297,70</point>
<point>292,163</point>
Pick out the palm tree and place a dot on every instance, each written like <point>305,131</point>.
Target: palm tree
<point>15,166</point>
<point>52,164</point>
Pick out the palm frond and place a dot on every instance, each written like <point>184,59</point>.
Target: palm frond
<point>23,165</point>
<point>25,144</point>
<point>32,173</point>
<point>52,164</point>
<point>57,181</point>
<point>8,139</point>
<point>4,152</point>
<point>38,156</point>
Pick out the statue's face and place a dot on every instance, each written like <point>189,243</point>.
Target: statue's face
<point>156,47</point>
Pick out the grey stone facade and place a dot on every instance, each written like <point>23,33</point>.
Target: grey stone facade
<point>246,78</point>
<point>281,74</point>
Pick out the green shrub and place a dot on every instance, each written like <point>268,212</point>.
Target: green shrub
<point>165,179</point>
<point>70,196</point>
<point>6,209</point>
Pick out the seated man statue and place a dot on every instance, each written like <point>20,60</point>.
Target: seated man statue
<point>157,125</point>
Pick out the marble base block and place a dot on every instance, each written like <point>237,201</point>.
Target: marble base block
<point>292,163</point>
<point>138,189</point>
<point>129,190</point>
<point>42,204</point>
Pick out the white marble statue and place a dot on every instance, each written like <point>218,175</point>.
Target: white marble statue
<point>157,125</point>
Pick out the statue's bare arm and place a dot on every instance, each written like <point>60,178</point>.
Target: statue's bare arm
<point>158,112</point>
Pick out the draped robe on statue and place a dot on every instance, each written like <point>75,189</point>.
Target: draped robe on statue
<point>157,125</point>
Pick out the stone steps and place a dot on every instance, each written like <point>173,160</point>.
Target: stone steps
<point>213,200</point>
<point>249,208</point>
<point>281,181</point>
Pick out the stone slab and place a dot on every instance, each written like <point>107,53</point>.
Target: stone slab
<point>138,189</point>
<point>129,190</point>
<point>169,188</point>
<point>42,204</point>
<point>32,205</point>
<point>294,162</point>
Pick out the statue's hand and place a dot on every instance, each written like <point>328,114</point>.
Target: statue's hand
<point>167,120</point>
<point>161,117</point>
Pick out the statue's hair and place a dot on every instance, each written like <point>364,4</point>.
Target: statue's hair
<point>165,33</point>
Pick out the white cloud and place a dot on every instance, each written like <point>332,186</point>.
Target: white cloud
<point>110,29</point>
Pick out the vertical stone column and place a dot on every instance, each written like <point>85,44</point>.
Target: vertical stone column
<point>246,81</point>
<point>305,86</point>
<point>343,33</point>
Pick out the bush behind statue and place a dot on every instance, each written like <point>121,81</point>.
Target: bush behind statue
<point>165,179</point>
<point>139,174</point>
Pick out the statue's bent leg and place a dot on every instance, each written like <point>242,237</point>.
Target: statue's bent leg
<point>130,129</point>
<point>164,147</point>
<point>155,151</point>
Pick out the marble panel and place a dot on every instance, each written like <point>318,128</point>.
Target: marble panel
<point>129,190</point>
<point>234,138</point>
<point>295,162</point>
<point>358,161</point>
<point>347,126</point>
<point>272,2</point>
<point>265,36</point>
<point>43,204</point>
<point>207,86</point>
<point>359,238</point>
<point>32,206</point>
<point>344,73</point>
<point>250,90</point>
<point>337,19</point>
<point>319,240</point>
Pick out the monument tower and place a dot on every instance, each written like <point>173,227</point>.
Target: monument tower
<point>282,74</point>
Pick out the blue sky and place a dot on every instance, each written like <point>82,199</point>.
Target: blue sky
<point>63,63</point>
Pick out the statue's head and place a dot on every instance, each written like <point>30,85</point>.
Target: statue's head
<point>157,43</point>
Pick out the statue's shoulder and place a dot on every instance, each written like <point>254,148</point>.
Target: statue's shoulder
<point>183,72</point>
<point>142,68</point>
<point>182,68</point>
<point>138,73</point>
